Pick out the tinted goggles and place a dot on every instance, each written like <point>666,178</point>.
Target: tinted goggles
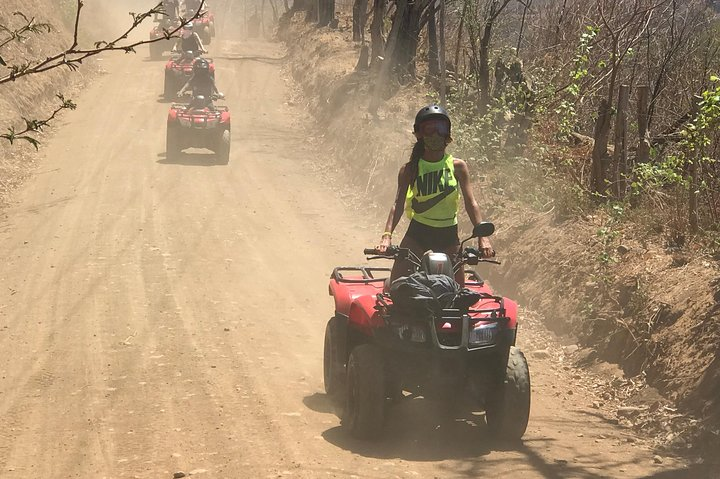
<point>439,126</point>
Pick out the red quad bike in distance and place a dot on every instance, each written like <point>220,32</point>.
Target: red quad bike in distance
<point>199,124</point>
<point>204,25</point>
<point>161,46</point>
<point>372,353</point>
<point>179,69</point>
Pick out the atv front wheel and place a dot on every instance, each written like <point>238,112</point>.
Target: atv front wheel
<point>173,148</point>
<point>364,412</point>
<point>333,365</point>
<point>212,29</point>
<point>508,405</point>
<point>223,148</point>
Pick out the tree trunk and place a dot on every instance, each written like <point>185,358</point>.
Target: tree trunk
<point>403,58</point>
<point>526,6</point>
<point>643,149</point>
<point>382,80</point>
<point>599,153</point>
<point>484,68</point>
<point>326,12</point>
<point>433,60</point>
<point>443,67</point>
<point>620,166</point>
<point>377,44</point>
<point>693,193</point>
<point>359,14</point>
<point>460,33</point>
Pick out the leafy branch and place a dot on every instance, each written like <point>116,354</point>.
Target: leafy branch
<point>71,57</point>
<point>36,126</point>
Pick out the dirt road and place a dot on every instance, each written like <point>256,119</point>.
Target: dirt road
<point>158,317</point>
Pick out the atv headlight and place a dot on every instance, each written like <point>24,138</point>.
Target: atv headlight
<point>413,333</point>
<point>483,334</point>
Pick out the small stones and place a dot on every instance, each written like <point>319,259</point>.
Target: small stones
<point>541,354</point>
<point>179,474</point>
<point>570,349</point>
<point>657,459</point>
<point>629,411</point>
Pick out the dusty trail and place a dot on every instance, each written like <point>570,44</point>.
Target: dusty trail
<point>157,317</point>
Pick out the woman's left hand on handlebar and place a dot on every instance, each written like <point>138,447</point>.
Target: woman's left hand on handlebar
<point>485,247</point>
<point>385,243</point>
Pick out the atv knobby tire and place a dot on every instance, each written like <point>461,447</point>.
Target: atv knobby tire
<point>223,148</point>
<point>170,86</point>
<point>333,365</point>
<point>508,405</point>
<point>172,150</point>
<point>364,412</point>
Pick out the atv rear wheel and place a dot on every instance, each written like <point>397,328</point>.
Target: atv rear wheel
<point>333,365</point>
<point>364,412</point>
<point>508,405</point>
<point>173,148</point>
<point>223,148</point>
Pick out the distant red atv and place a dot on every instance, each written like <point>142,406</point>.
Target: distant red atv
<point>178,71</point>
<point>199,124</point>
<point>204,25</point>
<point>161,46</point>
<point>375,351</point>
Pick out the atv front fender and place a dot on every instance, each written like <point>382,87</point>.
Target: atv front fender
<point>363,316</point>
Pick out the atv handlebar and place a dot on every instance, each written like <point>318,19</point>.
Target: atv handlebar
<point>471,256</point>
<point>390,252</point>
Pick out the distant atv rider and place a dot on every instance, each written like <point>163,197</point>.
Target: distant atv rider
<point>171,9</point>
<point>428,192</point>
<point>192,6</point>
<point>189,41</point>
<point>201,83</point>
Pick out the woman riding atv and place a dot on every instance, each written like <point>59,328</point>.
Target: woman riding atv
<point>189,41</point>
<point>428,192</point>
<point>201,83</point>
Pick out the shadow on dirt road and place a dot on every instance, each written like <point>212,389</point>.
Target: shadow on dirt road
<point>192,159</point>
<point>419,430</point>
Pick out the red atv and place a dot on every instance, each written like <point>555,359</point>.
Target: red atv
<point>161,46</point>
<point>204,25</point>
<point>380,346</point>
<point>179,69</point>
<point>199,124</point>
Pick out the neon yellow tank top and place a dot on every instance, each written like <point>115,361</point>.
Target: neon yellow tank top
<point>434,180</point>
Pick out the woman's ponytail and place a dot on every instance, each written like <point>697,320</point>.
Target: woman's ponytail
<point>413,164</point>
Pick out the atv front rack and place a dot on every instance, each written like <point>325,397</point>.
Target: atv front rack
<point>367,273</point>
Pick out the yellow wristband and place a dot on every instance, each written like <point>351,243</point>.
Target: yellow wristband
<point>387,233</point>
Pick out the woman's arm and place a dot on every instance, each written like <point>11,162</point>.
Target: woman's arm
<point>471,205</point>
<point>396,211</point>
